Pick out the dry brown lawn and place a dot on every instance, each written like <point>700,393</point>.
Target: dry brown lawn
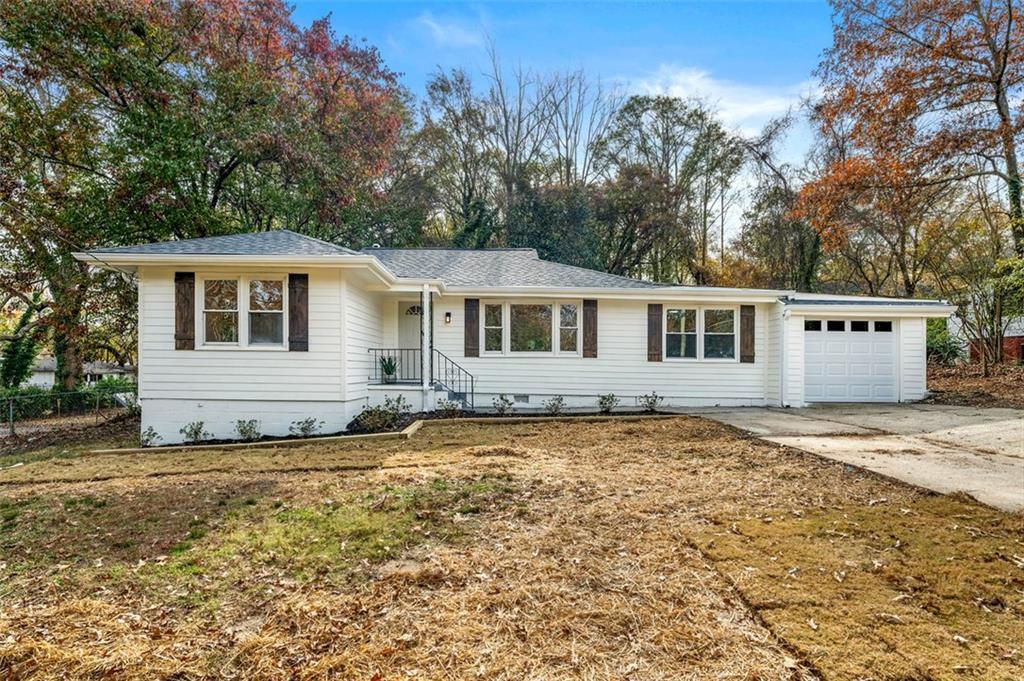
<point>659,549</point>
<point>965,385</point>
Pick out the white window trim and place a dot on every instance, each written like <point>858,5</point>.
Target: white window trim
<point>665,332</point>
<point>242,310</point>
<point>484,327</point>
<point>557,340</point>
<point>700,333</point>
<point>506,328</point>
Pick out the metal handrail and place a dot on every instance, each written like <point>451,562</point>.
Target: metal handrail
<point>408,365</point>
<point>444,372</point>
<point>452,377</point>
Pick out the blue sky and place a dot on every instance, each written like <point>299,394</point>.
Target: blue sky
<point>752,60</point>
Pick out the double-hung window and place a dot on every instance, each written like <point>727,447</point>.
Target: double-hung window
<point>568,328</point>
<point>719,334</point>
<point>706,333</point>
<point>266,311</point>
<point>681,333</point>
<point>220,311</point>
<point>244,311</point>
<point>494,327</point>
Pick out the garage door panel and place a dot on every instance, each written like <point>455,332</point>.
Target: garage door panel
<point>838,369</point>
<point>860,348</point>
<point>858,369</point>
<point>849,366</point>
<point>860,392</point>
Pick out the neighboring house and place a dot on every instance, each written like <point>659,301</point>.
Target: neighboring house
<point>45,369</point>
<point>280,327</point>
<point>1013,339</point>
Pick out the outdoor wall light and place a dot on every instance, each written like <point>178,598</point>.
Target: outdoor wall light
<point>447,317</point>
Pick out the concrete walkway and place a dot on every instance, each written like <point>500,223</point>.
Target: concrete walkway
<point>947,449</point>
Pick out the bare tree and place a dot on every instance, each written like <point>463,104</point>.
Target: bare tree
<point>518,112</point>
<point>581,114</point>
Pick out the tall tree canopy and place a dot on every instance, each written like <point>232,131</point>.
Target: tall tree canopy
<point>126,121</point>
<point>935,84</point>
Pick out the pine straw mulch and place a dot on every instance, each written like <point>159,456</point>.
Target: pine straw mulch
<point>964,385</point>
<point>648,550</point>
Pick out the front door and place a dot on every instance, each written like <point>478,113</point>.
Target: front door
<point>409,330</point>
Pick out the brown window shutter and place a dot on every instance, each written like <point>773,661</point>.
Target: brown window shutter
<point>747,333</point>
<point>654,332</point>
<point>298,312</point>
<point>590,328</point>
<point>184,310</point>
<point>472,331</point>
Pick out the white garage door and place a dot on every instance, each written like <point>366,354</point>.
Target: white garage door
<point>849,360</point>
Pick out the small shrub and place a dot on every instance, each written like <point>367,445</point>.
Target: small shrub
<point>606,403</point>
<point>449,409</point>
<point>112,384</point>
<point>194,432</point>
<point>380,419</point>
<point>650,402</point>
<point>248,429</point>
<point>503,405</point>
<point>555,405</point>
<point>943,347</point>
<point>305,427</point>
<point>149,437</point>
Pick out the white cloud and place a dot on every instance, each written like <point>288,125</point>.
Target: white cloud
<point>744,107</point>
<point>450,33</point>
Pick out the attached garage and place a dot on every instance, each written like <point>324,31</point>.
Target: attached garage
<point>850,360</point>
<point>837,349</point>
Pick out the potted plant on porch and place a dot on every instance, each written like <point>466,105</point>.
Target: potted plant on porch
<point>389,369</point>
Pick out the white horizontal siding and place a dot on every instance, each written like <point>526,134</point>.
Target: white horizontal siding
<point>363,330</point>
<point>773,350</point>
<point>913,359</point>
<point>793,375</point>
<point>621,366</point>
<point>238,374</point>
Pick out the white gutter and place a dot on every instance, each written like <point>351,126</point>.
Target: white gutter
<point>664,293</point>
<point>932,309</point>
<point>106,260</point>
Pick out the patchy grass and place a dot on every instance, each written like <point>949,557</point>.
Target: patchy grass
<point>433,446</point>
<point>930,589</point>
<point>657,549</point>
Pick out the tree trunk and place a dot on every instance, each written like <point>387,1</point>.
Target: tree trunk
<point>69,361</point>
<point>66,321</point>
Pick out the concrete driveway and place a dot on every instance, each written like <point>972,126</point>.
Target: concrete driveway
<point>946,449</point>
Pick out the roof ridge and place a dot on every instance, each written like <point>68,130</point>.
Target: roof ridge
<point>312,238</point>
<point>447,248</point>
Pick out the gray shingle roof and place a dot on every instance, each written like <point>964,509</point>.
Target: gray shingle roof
<point>280,242</point>
<point>495,268</point>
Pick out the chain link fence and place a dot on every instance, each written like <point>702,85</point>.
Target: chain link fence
<point>28,411</point>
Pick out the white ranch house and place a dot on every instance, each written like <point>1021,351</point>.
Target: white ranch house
<point>280,327</point>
